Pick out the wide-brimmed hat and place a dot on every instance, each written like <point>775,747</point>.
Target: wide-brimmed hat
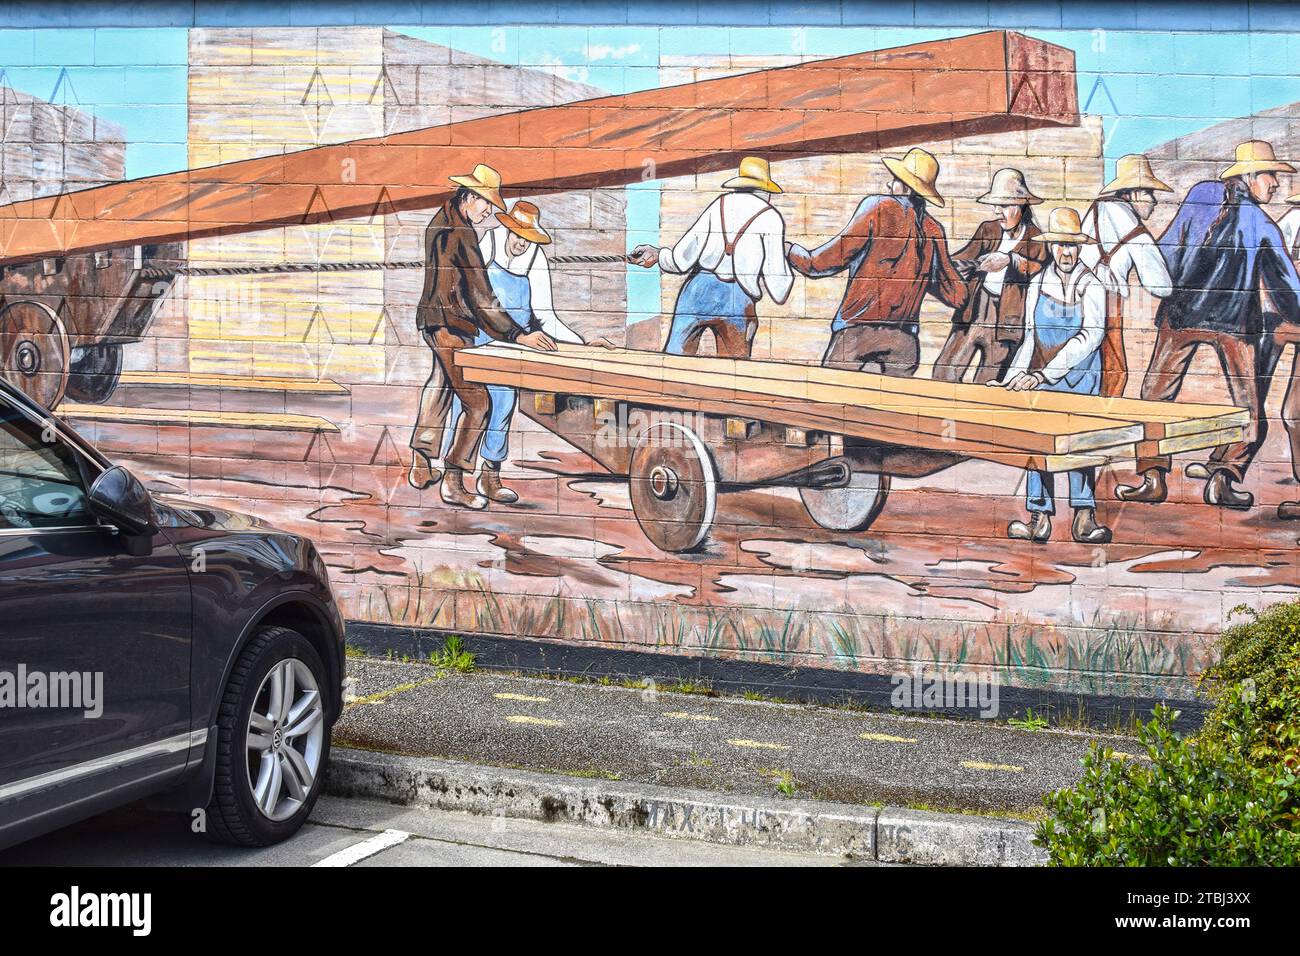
<point>524,220</point>
<point>1008,189</point>
<point>755,173</point>
<point>1063,225</point>
<point>486,182</point>
<point>919,170</point>
<point>1256,156</point>
<point>1134,172</point>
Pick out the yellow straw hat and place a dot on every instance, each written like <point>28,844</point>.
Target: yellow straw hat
<point>919,170</point>
<point>755,173</point>
<point>486,182</point>
<point>1063,225</point>
<point>1009,189</point>
<point>524,220</point>
<point>1256,156</point>
<point>1134,172</point>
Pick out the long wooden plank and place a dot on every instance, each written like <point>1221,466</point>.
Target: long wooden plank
<point>188,416</point>
<point>1161,419</point>
<point>940,90</point>
<point>801,417</point>
<point>239,383</point>
<point>1040,431</point>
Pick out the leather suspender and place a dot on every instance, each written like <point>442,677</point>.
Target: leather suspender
<point>1132,234</point>
<point>729,245</point>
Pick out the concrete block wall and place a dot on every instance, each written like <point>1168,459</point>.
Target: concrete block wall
<point>314,377</point>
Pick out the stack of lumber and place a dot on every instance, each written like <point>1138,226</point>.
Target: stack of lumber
<point>1039,429</point>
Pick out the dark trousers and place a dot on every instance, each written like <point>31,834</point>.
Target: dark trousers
<point>446,379</point>
<point>977,339</point>
<point>892,349</point>
<point>1288,333</point>
<point>1240,357</point>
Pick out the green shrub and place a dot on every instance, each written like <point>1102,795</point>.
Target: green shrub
<point>1227,796</point>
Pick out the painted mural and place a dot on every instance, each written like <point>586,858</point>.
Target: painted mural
<point>845,348</point>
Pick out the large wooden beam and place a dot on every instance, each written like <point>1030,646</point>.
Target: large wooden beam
<point>983,83</point>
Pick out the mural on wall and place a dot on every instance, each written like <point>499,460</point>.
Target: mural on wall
<point>682,341</point>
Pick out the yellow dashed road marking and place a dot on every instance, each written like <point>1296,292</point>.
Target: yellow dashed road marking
<point>1121,755</point>
<point>535,700</point>
<point>539,721</point>
<point>758,744</point>
<point>684,715</point>
<point>888,738</point>
<point>981,765</point>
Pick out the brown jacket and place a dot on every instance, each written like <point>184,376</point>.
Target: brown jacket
<point>893,256</point>
<point>457,293</point>
<point>1027,260</point>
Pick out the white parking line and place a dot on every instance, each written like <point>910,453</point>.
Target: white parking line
<point>369,847</point>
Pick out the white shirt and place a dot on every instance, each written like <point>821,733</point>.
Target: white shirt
<point>759,260</point>
<point>1079,286</point>
<point>534,265</point>
<point>1110,222</point>
<point>1290,226</point>
<point>993,281</point>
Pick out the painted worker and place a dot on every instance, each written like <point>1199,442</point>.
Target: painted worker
<point>733,252</point>
<point>1287,333</point>
<point>456,307</point>
<point>1117,221</point>
<point>1223,252</point>
<point>894,252</point>
<point>520,278</point>
<point>1065,322</point>
<point>998,262</point>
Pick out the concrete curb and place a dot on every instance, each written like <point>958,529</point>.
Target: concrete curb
<point>886,834</point>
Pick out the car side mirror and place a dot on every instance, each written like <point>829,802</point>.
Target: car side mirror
<point>118,497</point>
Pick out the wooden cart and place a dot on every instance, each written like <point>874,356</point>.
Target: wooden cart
<point>684,429</point>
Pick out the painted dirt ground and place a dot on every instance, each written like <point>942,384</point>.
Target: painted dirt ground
<point>570,562</point>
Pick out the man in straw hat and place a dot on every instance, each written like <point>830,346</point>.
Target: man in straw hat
<point>1223,251</point>
<point>1065,322</point>
<point>520,277</point>
<point>1123,245</point>
<point>894,252</point>
<point>458,305</point>
<point>999,261</point>
<point>734,250</point>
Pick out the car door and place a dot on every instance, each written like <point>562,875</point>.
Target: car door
<point>94,641</point>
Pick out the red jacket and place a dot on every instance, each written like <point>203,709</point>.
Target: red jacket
<point>894,256</point>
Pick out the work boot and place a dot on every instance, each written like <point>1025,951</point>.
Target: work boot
<point>422,473</point>
<point>1289,510</point>
<point>1219,491</point>
<point>1085,529</point>
<point>453,491</point>
<point>1152,490</point>
<point>1039,530</point>
<point>490,487</point>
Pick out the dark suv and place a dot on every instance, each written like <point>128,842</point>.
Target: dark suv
<point>150,645</point>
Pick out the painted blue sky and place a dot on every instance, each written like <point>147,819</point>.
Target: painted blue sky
<point>1148,86</point>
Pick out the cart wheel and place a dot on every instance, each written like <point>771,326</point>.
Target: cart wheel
<point>674,487</point>
<point>849,508</point>
<point>34,351</point>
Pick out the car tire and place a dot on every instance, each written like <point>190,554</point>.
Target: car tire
<point>235,814</point>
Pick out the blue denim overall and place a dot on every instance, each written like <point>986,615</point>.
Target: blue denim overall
<point>1055,323</point>
<point>706,298</point>
<point>514,292</point>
